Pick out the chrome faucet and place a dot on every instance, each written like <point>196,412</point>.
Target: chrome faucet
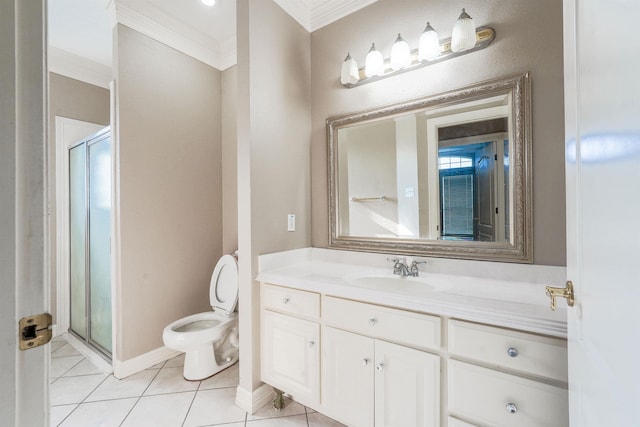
<point>413,269</point>
<point>401,268</point>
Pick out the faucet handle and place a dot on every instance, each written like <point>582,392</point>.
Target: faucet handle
<point>415,263</point>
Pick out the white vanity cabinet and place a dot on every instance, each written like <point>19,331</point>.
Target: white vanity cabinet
<point>290,342</point>
<point>365,364</point>
<point>368,380</point>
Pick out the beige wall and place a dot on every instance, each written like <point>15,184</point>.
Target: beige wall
<point>529,38</point>
<point>273,153</point>
<point>169,157</point>
<point>229,160</point>
<point>77,100</point>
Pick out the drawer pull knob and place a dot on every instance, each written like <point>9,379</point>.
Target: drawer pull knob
<point>512,352</point>
<point>373,321</point>
<point>512,408</point>
<point>365,362</point>
<point>286,300</point>
<point>312,343</point>
<point>379,367</point>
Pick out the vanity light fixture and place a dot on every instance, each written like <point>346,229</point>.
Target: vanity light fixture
<point>465,39</point>
<point>428,45</point>
<point>350,73</point>
<point>400,54</point>
<point>464,33</point>
<point>374,62</point>
<point>208,2</point>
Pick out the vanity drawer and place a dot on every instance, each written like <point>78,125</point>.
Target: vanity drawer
<point>498,399</point>
<point>519,351</point>
<point>402,327</point>
<point>293,301</point>
<point>454,422</point>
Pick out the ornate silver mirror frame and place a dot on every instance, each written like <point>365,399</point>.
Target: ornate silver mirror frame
<point>518,246</point>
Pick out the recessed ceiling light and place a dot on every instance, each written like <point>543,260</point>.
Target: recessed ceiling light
<point>208,2</point>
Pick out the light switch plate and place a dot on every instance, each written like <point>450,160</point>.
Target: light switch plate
<point>291,222</point>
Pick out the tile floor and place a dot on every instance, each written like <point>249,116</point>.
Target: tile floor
<point>83,396</point>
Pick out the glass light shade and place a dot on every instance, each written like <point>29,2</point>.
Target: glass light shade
<point>350,73</point>
<point>428,45</point>
<point>208,2</point>
<point>400,54</point>
<point>374,62</point>
<point>464,33</point>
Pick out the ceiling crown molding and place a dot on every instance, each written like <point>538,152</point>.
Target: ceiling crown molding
<point>300,10</point>
<point>324,12</point>
<point>78,67</point>
<point>164,28</point>
<point>315,14</point>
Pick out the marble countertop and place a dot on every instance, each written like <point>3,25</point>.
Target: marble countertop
<point>500,297</point>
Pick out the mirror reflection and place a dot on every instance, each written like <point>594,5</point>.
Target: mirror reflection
<point>434,176</point>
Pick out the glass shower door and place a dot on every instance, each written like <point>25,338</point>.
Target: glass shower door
<point>90,240</point>
<point>100,243</point>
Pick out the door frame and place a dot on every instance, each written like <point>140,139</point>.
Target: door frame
<point>24,375</point>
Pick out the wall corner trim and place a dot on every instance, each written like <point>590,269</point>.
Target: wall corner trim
<point>251,401</point>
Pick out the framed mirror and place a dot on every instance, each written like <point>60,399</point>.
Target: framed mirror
<point>448,175</point>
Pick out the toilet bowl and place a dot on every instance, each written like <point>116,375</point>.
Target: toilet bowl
<point>210,339</point>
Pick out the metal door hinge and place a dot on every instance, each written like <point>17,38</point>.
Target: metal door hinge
<point>34,331</point>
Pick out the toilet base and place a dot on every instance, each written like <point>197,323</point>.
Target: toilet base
<point>201,363</point>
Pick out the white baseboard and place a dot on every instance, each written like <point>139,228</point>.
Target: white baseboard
<point>122,369</point>
<point>89,353</point>
<point>252,401</point>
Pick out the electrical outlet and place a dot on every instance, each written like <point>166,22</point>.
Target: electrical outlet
<point>291,222</point>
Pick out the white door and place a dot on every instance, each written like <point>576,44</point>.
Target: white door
<point>602,121</point>
<point>23,374</point>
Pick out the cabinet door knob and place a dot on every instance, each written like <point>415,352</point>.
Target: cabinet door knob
<point>373,321</point>
<point>365,362</point>
<point>512,352</point>
<point>286,300</point>
<point>312,343</point>
<point>512,408</point>
<point>379,367</point>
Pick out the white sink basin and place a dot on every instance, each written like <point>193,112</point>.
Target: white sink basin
<point>394,283</point>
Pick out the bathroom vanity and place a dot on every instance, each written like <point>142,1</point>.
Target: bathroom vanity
<point>344,336</point>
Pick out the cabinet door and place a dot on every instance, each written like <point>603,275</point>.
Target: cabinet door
<point>291,356</point>
<point>407,387</point>
<point>347,388</point>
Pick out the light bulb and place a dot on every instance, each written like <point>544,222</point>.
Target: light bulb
<point>464,33</point>
<point>374,62</point>
<point>350,73</point>
<point>400,54</point>
<point>208,2</point>
<point>428,45</point>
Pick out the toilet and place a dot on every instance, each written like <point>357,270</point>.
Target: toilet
<point>210,339</point>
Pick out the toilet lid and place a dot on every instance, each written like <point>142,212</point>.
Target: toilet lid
<point>223,291</point>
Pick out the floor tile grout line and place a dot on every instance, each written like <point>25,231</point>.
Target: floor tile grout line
<point>140,396</point>
<point>184,420</point>
<point>77,363</point>
<point>80,375</point>
<point>83,400</point>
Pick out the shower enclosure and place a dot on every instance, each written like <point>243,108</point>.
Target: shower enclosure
<point>90,240</point>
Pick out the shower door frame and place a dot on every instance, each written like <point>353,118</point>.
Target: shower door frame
<point>89,140</point>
